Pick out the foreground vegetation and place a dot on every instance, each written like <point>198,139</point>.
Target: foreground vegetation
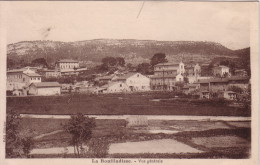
<point>108,132</point>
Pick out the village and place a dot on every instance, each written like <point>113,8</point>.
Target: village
<point>139,82</point>
<point>167,76</point>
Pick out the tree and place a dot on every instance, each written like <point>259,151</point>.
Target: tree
<point>10,63</point>
<point>120,61</point>
<point>16,145</point>
<point>27,145</point>
<point>144,68</point>
<point>158,58</point>
<point>39,62</point>
<point>109,62</point>
<point>80,127</point>
<point>112,62</point>
<point>12,135</point>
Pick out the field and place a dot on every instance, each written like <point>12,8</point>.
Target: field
<point>201,139</point>
<point>113,138</point>
<point>123,104</point>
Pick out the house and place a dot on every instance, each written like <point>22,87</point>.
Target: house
<point>186,89</point>
<point>135,81</point>
<point>20,78</point>
<point>169,69</point>
<point>214,84</point>
<point>107,79</point>
<point>116,87</point>
<point>192,70</point>
<point>166,82</point>
<point>204,95</point>
<point>222,84</point>
<point>221,71</point>
<point>19,92</point>
<point>66,64</point>
<point>238,81</point>
<point>240,72</point>
<point>45,88</point>
<point>52,73</point>
<point>229,95</point>
<point>166,75</point>
<point>16,75</point>
<point>189,88</point>
<point>29,78</point>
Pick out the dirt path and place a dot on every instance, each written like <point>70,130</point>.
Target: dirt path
<point>47,134</point>
<point>149,117</point>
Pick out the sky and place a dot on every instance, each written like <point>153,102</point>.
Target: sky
<point>223,22</point>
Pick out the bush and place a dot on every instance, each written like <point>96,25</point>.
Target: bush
<point>98,148</point>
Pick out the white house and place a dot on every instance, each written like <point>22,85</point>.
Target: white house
<point>221,71</point>
<point>52,73</point>
<point>229,95</point>
<point>165,82</point>
<point>135,81</point>
<point>66,64</point>
<point>115,87</point>
<point>29,78</point>
<point>20,78</point>
<point>45,88</point>
<point>169,69</point>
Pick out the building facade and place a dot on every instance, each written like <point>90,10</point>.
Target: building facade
<point>52,73</point>
<point>221,71</point>
<point>45,88</point>
<point>21,78</point>
<point>166,75</point>
<point>116,87</point>
<point>169,69</point>
<point>135,81</point>
<point>66,64</point>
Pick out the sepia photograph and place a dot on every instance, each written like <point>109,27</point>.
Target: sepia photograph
<point>129,82</point>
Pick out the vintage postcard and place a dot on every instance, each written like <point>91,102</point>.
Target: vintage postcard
<point>121,82</point>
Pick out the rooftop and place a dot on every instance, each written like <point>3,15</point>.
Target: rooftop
<point>67,60</point>
<point>234,78</point>
<point>15,70</point>
<point>229,92</point>
<point>108,77</point>
<point>167,64</point>
<point>46,84</point>
<point>221,66</point>
<point>126,76</point>
<point>32,74</point>
<point>156,76</point>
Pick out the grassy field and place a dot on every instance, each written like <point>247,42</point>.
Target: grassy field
<point>122,104</point>
<point>218,139</point>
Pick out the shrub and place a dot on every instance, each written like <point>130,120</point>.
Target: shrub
<point>98,148</point>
